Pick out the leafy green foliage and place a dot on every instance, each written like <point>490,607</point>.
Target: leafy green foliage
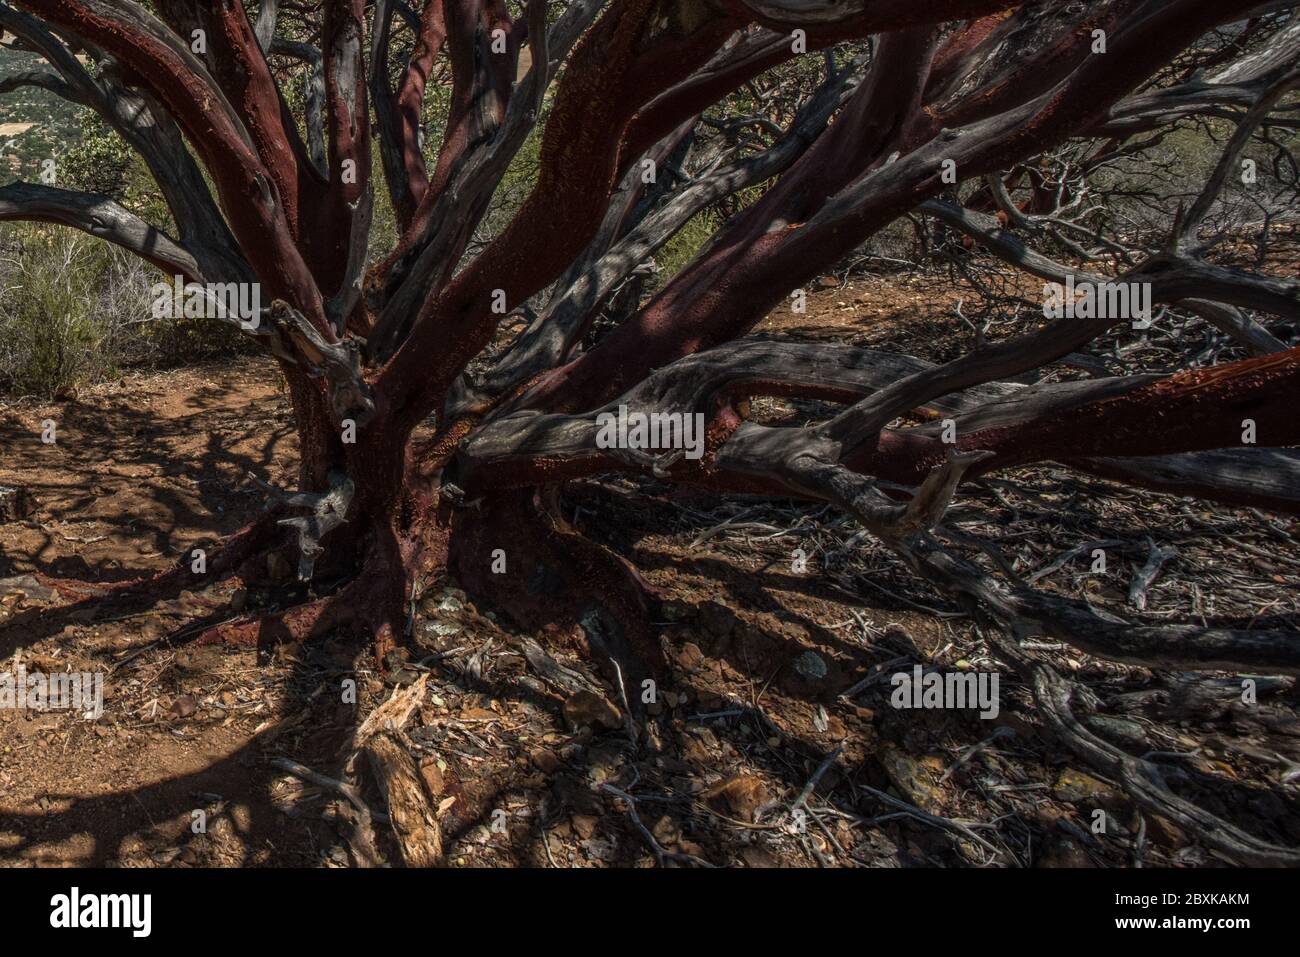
<point>53,333</point>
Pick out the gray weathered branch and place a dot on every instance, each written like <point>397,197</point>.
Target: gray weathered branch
<point>102,218</point>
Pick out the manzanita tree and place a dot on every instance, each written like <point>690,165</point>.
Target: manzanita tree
<point>430,441</point>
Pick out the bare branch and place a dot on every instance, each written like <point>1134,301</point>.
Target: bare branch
<point>101,217</point>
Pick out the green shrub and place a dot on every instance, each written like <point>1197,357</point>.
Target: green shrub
<point>683,246</point>
<point>99,163</point>
<point>65,301</point>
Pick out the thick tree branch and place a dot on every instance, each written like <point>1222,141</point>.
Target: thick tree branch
<point>102,218</point>
<point>163,62</point>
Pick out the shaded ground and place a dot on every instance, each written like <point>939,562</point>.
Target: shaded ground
<point>773,743</point>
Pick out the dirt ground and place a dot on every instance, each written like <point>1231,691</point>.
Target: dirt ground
<point>774,742</point>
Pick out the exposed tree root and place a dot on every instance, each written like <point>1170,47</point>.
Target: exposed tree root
<point>1176,646</point>
<point>235,557</point>
<point>1026,611</point>
<point>372,600</point>
<point>1030,612</point>
<point>1142,780</point>
<point>228,557</point>
<point>518,553</point>
<point>294,625</point>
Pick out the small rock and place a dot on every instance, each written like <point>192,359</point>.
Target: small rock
<point>1075,786</point>
<point>914,778</point>
<point>700,746</point>
<point>585,825</point>
<point>1166,833</point>
<point>811,666</point>
<point>604,763</point>
<point>598,849</point>
<point>689,657</point>
<point>545,761</point>
<point>742,796</point>
<point>691,848</point>
<point>666,831</point>
<point>587,709</point>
